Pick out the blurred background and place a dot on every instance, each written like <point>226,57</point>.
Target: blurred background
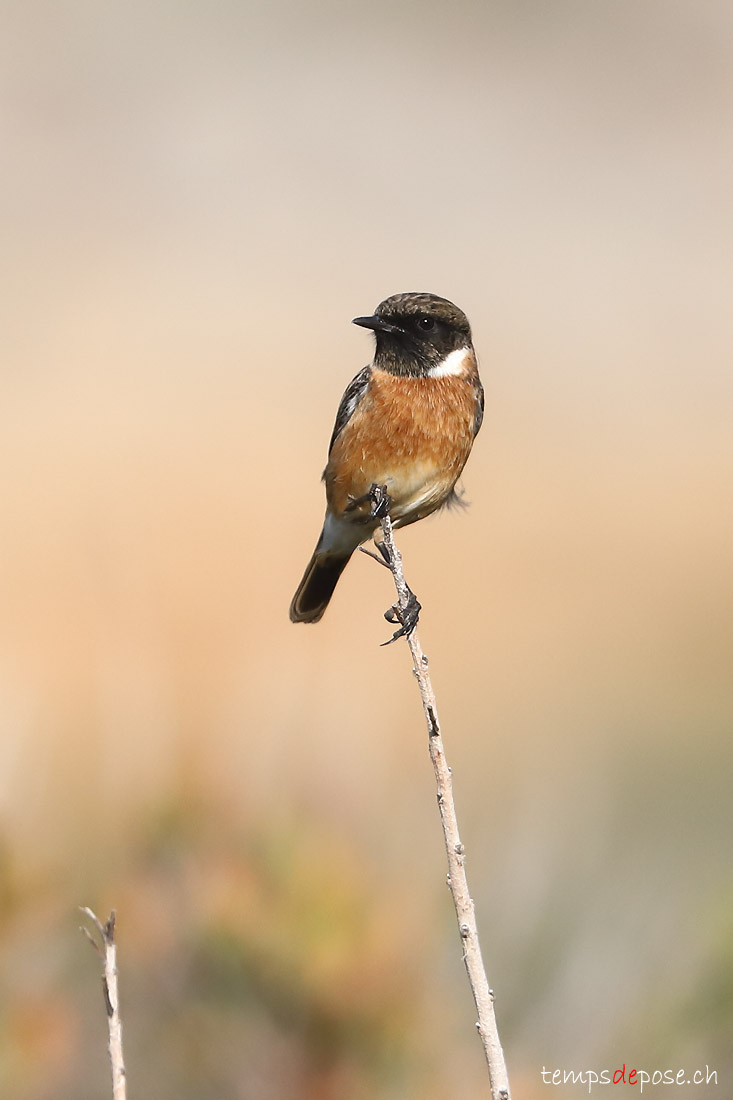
<point>196,200</point>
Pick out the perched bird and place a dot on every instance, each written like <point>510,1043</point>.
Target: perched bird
<point>406,422</point>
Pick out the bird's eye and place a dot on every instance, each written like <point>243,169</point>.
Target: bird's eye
<point>426,324</point>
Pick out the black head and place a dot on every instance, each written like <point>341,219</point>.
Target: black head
<point>415,332</point>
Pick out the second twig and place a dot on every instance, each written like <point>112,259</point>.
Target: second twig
<point>107,951</point>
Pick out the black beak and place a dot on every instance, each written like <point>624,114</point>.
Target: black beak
<point>377,324</point>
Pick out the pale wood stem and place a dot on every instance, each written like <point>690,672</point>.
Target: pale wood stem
<point>457,881</point>
<point>108,954</point>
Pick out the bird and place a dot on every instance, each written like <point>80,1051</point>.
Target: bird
<point>406,423</point>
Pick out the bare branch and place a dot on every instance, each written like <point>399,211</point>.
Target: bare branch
<point>483,996</point>
<point>107,951</point>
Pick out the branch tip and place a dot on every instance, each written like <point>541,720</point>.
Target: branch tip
<point>107,952</point>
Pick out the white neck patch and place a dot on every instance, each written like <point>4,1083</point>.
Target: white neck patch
<point>455,363</point>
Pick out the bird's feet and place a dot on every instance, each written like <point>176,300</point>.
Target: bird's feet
<point>381,501</point>
<point>407,617</point>
<point>377,498</point>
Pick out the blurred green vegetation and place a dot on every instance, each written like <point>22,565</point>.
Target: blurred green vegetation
<point>278,957</point>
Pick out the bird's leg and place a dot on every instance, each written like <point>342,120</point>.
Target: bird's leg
<point>406,616</point>
<point>381,503</point>
<point>382,548</point>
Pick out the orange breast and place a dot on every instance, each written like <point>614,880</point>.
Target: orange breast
<point>412,435</point>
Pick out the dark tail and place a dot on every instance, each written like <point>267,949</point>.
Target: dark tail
<point>316,588</point>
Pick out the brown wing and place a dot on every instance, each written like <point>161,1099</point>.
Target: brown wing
<point>352,396</point>
<point>479,414</point>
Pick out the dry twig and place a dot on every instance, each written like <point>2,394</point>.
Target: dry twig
<point>107,952</point>
<point>457,881</point>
